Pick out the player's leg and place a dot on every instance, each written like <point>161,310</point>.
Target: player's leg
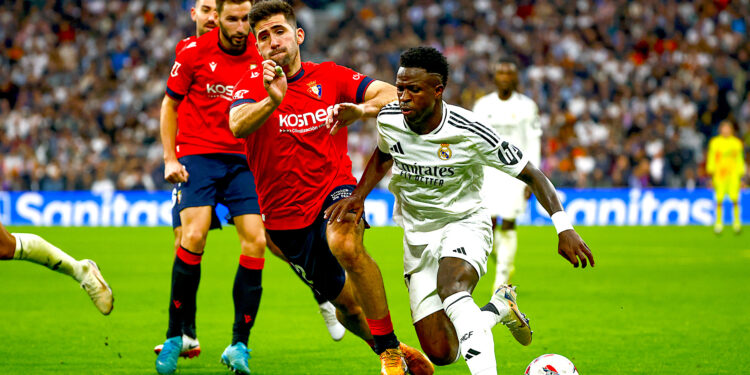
<point>326,308</point>
<point>505,244</point>
<point>734,196</point>
<point>247,288</point>
<point>32,248</point>
<point>720,190</point>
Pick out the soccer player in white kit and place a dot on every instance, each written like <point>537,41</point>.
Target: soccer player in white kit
<point>437,152</point>
<point>515,117</point>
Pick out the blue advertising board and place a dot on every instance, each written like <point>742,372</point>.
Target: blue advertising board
<point>585,206</point>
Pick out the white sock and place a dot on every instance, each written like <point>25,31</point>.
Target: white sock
<point>474,336</point>
<point>506,245</point>
<point>35,249</point>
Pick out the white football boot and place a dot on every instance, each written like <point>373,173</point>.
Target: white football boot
<point>335,328</point>
<point>98,289</point>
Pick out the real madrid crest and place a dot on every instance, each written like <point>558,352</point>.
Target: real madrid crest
<point>444,153</point>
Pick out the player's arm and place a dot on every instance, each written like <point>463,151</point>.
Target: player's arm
<point>377,167</point>
<point>174,172</point>
<point>246,118</point>
<point>377,95</point>
<point>711,157</point>
<point>570,245</point>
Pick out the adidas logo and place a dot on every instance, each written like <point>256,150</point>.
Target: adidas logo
<point>460,250</point>
<point>397,149</point>
<point>471,354</point>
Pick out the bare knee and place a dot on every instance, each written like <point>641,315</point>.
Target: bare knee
<point>7,244</point>
<point>442,354</point>
<point>177,238</point>
<point>193,240</point>
<point>254,246</point>
<point>348,250</point>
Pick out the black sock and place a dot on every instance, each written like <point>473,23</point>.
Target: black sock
<point>383,342</point>
<point>186,275</point>
<point>318,298</point>
<point>247,291</point>
<point>491,308</point>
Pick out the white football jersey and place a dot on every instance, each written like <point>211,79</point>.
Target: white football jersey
<point>515,119</point>
<point>437,177</point>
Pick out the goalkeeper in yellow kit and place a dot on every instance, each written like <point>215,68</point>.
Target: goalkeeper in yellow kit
<point>725,163</point>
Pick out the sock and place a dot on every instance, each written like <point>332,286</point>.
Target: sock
<point>382,334</point>
<point>474,337</point>
<point>507,243</point>
<point>35,249</point>
<point>247,291</point>
<point>736,214</point>
<point>492,315</point>
<point>719,213</point>
<point>318,298</point>
<point>186,275</point>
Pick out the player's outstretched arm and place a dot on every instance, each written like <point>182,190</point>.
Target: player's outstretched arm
<point>174,172</point>
<point>246,118</point>
<point>570,245</point>
<point>377,95</point>
<point>378,165</point>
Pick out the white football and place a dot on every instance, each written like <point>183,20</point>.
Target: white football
<point>551,364</point>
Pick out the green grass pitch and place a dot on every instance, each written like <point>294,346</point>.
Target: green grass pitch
<point>662,300</point>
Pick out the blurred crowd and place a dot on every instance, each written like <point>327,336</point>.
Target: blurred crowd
<point>629,91</point>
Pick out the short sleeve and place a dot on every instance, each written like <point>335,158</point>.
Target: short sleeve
<point>495,151</point>
<point>382,143</point>
<point>352,85</point>
<point>181,74</point>
<point>249,89</point>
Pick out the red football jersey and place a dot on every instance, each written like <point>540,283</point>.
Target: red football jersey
<point>295,160</point>
<point>184,43</point>
<point>203,78</point>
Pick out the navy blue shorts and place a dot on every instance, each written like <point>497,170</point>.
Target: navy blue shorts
<point>308,252</point>
<point>213,179</point>
<point>177,222</point>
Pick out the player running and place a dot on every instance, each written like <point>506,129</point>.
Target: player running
<point>725,162</point>
<point>282,108</point>
<point>437,152</point>
<point>32,248</point>
<point>210,166</point>
<point>515,117</point>
<point>205,17</point>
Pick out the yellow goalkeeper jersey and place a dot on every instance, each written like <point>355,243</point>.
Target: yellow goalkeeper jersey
<point>725,158</point>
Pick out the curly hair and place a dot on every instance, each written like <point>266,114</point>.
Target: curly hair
<point>427,58</point>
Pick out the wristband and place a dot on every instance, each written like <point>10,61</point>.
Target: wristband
<point>561,221</point>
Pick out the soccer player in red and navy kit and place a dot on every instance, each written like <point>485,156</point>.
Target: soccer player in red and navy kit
<point>301,169</point>
<point>211,167</point>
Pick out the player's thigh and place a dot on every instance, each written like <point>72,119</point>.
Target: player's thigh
<point>733,189</point>
<point>307,252</point>
<point>7,243</point>
<point>196,222</point>
<point>437,337</point>
<point>252,234</point>
<point>720,188</point>
<point>237,187</point>
<point>345,239</point>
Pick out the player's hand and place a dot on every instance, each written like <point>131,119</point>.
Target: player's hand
<point>343,114</point>
<point>527,192</point>
<point>274,80</point>
<point>339,210</point>
<point>572,248</point>
<point>174,172</point>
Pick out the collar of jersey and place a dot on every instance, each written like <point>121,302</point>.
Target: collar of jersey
<point>439,127</point>
<point>297,76</point>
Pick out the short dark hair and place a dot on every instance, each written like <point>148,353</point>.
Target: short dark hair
<point>508,60</point>
<point>220,4</point>
<point>427,58</point>
<point>268,8</point>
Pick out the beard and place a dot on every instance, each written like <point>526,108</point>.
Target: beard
<point>237,45</point>
<point>284,59</point>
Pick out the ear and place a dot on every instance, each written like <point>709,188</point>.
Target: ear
<point>300,35</point>
<point>439,90</point>
<point>192,14</point>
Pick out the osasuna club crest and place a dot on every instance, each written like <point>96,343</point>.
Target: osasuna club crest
<point>444,153</point>
<point>315,89</point>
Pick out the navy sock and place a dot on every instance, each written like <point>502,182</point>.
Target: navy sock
<point>186,275</point>
<point>247,291</point>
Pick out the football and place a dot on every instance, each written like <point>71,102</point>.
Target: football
<point>551,364</point>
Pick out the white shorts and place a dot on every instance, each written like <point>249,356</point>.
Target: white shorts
<point>469,239</point>
<point>503,195</point>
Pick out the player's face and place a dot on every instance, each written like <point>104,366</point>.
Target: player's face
<point>506,77</point>
<point>725,129</point>
<point>418,93</point>
<point>205,16</point>
<point>234,23</point>
<point>278,40</point>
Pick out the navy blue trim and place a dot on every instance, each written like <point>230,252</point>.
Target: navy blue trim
<point>362,89</point>
<point>240,102</point>
<point>296,76</point>
<point>174,95</point>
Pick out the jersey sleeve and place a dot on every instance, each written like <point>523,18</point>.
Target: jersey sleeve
<point>741,167</point>
<point>711,157</point>
<point>382,143</point>
<point>496,152</point>
<point>249,89</point>
<point>351,85</point>
<point>534,136</point>
<point>181,75</point>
